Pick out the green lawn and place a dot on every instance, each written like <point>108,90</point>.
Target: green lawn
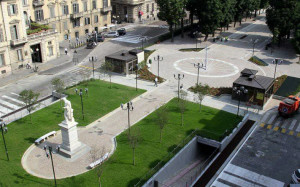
<point>119,170</point>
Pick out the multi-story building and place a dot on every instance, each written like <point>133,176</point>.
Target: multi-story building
<point>71,18</point>
<point>134,10</point>
<point>16,47</point>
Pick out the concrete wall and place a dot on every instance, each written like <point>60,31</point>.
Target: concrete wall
<point>184,157</point>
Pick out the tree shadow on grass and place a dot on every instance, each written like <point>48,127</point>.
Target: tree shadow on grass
<point>28,178</point>
<point>133,182</point>
<point>154,163</point>
<point>30,139</point>
<point>172,147</point>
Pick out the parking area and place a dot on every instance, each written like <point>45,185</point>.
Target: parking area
<point>268,157</point>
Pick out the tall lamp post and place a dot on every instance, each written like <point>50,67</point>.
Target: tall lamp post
<point>93,59</point>
<point>253,42</point>
<point>80,94</point>
<point>50,155</point>
<point>199,66</point>
<point>143,39</point>
<point>179,77</point>
<point>240,91</point>
<point>158,59</point>
<point>3,128</point>
<point>276,62</point>
<point>129,107</point>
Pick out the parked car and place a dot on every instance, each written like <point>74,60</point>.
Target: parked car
<point>112,34</point>
<point>121,31</point>
<point>296,177</point>
<point>100,38</point>
<point>91,45</point>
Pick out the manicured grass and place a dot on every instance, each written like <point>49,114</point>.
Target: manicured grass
<point>119,170</point>
<point>191,49</point>
<point>290,86</point>
<point>21,134</point>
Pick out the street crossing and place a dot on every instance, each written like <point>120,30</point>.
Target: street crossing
<point>10,103</point>
<point>287,126</point>
<point>129,38</point>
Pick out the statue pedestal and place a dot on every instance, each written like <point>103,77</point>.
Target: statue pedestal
<point>70,146</point>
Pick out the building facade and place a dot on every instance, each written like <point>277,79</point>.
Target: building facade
<point>134,10</point>
<point>71,18</point>
<point>17,49</point>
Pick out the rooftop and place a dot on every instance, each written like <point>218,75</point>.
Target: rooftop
<point>122,56</point>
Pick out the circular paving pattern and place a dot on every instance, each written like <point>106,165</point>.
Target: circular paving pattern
<point>215,68</point>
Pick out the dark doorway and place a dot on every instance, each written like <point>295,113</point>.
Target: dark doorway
<point>36,54</point>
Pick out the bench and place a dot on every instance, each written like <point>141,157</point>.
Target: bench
<point>43,138</point>
<point>94,164</point>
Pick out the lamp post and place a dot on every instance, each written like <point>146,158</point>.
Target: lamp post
<point>276,62</point>
<point>240,91</point>
<point>4,130</point>
<point>143,39</point>
<point>93,59</point>
<point>50,154</point>
<point>158,59</point>
<point>179,77</point>
<point>253,42</point>
<point>80,94</point>
<point>199,66</point>
<point>129,107</point>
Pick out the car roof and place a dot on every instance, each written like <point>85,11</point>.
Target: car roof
<point>112,32</point>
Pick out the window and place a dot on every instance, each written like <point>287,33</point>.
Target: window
<point>12,9</point>
<point>20,55</point>
<point>96,19</point>
<point>94,4</point>
<point>84,6</point>
<point>1,37</point>
<point>152,7</point>
<point>52,12</point>
<point>24,2</point>
<point>76,34</point>
<point>76,22</point>
<point>147,7</point>
<point>65,25</point>
<point>2,62</point>
<point>114,9</point>
<point>65,9</point>
<point>14,32</point>
<point>75,8</point>
<point>50,50</point>
<point>86,21</point>
<point>39,15</point>
<point>105,3</point>
<point>86,31</point>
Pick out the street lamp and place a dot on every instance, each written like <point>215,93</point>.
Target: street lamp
<point>253,42</point>
<point>276,62</point>
<point>3,128</point>
<point>93,59</point>
<point>240,91</point>
<point>129,107</point>
<point>158,59</point>
<point>179,77</point>
<point>80,94</point>
<point>199,66</point>
<point>50,154</point>
<point>143,39</point>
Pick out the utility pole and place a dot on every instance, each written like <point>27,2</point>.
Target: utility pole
<point>158,59</point>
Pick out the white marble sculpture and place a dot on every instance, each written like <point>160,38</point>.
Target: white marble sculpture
<point>68,111</point>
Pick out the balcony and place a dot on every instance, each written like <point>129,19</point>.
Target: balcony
<point>76,15</point>
<point>17,42</point>
<point>38,3</point>
<point>106,9</point>
<point>129,2</point>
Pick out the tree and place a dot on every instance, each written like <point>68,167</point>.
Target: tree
<point>202,91</point>
<point>134,138</point>
<point>239,11</point>
<point>182,104</point>
<point>228,12</point>
<point>162,118</point>
<point>59,86</point>
<point>281,15</point>
<point>107,68</point>
<point>171,12</point>
<point>191,7</point>
<point>30,100</point>
<point>96,154</point>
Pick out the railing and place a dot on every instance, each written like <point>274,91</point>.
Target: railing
<point>106,9</point>
<point>37,3</point>
<point>18,41</point>
<point>76,15</point>
<point>129,2</point>
<point>41,34</point>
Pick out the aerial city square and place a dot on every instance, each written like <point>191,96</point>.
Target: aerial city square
<point>150,93</point>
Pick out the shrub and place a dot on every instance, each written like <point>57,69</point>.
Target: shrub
<point>258,61</point>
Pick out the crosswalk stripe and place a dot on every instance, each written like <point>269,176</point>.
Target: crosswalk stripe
<point>4,110</point>
<point>219,184</point>
<point>13,99</point>
<point>15,94</point>
<point>277,123</point>
<point>265,117</point>
<point>293,124</point>
<point>272,119</point>
<point>235,180</point>
<point>298,128</point>
<point>252,176</point>
<point>9,104</point>
<point>285,124</point>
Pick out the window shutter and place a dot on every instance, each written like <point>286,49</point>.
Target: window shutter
<point>12,33</point>
<point>8,10</point>
<point>42,15</point>
<point>16,9</point>
<point>1,35</point>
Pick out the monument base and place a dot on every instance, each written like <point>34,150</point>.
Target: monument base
<point>81,150</point>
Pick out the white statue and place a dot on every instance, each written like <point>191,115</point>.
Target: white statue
<point>68,111</point>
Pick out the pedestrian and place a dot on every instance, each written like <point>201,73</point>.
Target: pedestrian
<point>66,51</point>
<point>155,81</point>
<point>77,39</point>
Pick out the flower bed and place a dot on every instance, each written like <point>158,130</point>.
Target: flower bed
<point>258,61</point>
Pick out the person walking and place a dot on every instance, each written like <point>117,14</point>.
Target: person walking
<point>155,81</point>
<point>66,51</point>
